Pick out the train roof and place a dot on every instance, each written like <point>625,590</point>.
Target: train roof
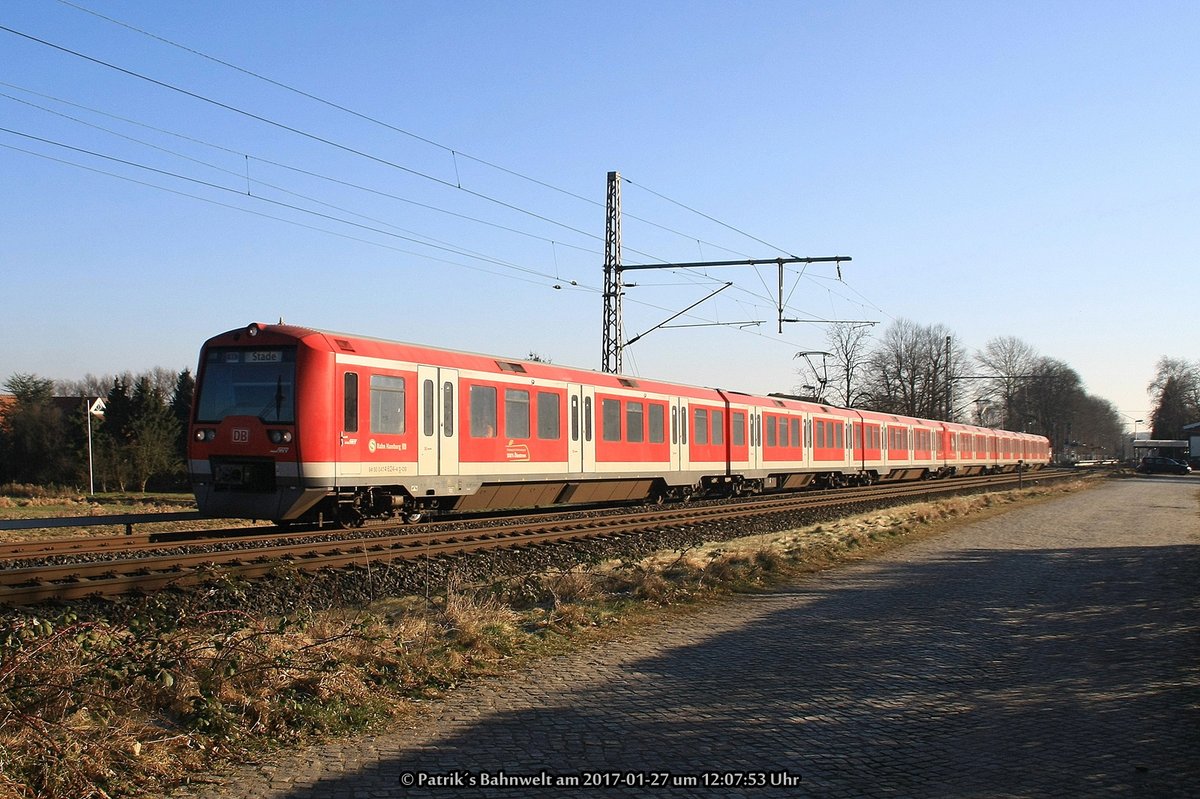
<point>372,347</point>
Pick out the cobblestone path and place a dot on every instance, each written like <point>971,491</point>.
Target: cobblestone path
<point>1050,651</point>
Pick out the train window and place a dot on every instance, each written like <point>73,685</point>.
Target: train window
<point>700,429</point>
<point>547,415</point>
<point>253,382</point>
<point>429,417</point>
<point>739,429</point>
<point>587,418</point>
<point>784,440</point>
<point>350,402</point>
<point>674,425</point>
<point>483,411</point>
<point>610,419</point>
<point>795,423</point>
<point>658,423</point>
<point>683,429</point>
<point>448,409</point>
<point>819,435</point>
<point>635,423</point>
<point>574,418</point>
<point>769,424</point>
<point>718,427</point>
<point>516,413</point>
<point>387,404</point>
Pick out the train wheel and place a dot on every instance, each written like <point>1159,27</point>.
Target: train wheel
<point>348,517</point>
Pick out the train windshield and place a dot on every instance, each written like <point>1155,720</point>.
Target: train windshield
<point>248,382</point>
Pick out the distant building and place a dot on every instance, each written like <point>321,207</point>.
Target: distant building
<point>1192,432</point>
<point>1160,446</point>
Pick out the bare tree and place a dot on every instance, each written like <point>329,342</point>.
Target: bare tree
<point>911,371</point>
<point>1008,362</point>
<point>848,345</point>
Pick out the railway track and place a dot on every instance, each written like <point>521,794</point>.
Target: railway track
<point>65,569</point>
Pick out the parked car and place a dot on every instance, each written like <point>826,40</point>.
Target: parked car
<point>1153,464</point>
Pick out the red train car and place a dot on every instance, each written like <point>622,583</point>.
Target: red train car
<point>295,424</point>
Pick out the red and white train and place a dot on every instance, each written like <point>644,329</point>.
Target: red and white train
<point>293,424</point>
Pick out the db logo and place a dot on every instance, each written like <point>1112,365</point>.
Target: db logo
<point>241,435</point>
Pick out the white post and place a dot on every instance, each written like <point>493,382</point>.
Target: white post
<point>87,411</point>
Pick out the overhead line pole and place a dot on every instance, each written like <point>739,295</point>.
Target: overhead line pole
<point>610,356</point>
<point>610,359</point>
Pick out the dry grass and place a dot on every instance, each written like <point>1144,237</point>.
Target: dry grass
<point>92,709</point>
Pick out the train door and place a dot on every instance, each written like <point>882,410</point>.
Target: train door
<point>680,455</point>
<point>677,448</point>
<point>754,437</point>
<point>437,408</point>
<point>586,451</point>
<point>347,460</point>
<point>580,449</point>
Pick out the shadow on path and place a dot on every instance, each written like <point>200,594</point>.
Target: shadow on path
<point>1072,672</point>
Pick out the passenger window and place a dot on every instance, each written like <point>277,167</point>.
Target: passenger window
<point>718,427</point>
<point>769,424</point>
<point>483,411</point>
<point>610,423</point>
<point>387,405</point>
<point>547,415</point>
<point>739,429</point>
<point>700,433</point>
<point>350,402</point>
<point>574,418</point>
<point>448,409</point>
<point>516,413</point>
<point>658,423</point>
<point>429,417</point>
<point>587,419</point>
<point>635,428</point>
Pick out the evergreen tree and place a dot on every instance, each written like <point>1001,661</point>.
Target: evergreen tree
<point>34,440</point>
<point>181,409</point>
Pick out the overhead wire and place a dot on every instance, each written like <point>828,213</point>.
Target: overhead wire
<point>386,162</point>
<point>454,152</point>
<point>263,215</point>
<point>216,186</point>
<point>259,159</point>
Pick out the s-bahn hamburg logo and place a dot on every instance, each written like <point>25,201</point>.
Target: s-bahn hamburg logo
<point>371,445</point>
<point>241,435</point>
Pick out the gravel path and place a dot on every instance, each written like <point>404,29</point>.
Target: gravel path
<point>1050,651</point>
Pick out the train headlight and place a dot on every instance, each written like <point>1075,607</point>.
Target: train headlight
<point>280,436</point>
<point>204,434</point>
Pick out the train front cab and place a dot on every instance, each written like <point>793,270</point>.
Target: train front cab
<point>244,443</point>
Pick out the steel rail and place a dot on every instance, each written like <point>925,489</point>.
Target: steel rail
<point>123,575</point>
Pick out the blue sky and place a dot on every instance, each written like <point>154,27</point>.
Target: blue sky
<point>1017,169</point>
